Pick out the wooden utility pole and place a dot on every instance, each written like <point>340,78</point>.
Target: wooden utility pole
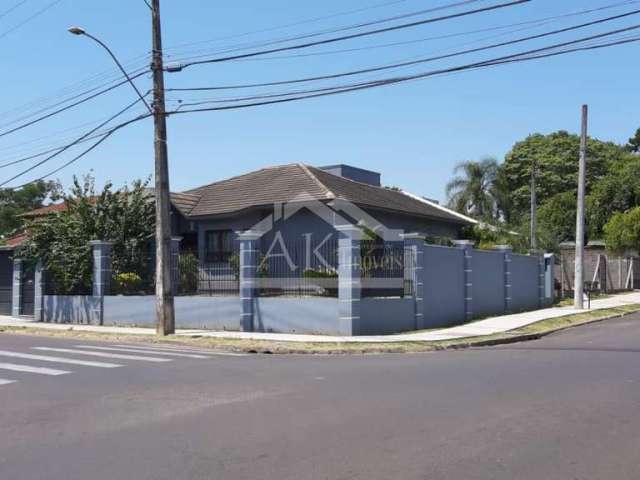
<point>534,217</point>
<point>165,315</point>
<point>578,284</point>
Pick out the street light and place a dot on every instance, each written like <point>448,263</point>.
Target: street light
<point>165,313</point>
<point>81,31</point>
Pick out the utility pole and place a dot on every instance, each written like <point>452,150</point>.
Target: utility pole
<point>582,171</point>
<point>534,213</point>
<point>165,315</point>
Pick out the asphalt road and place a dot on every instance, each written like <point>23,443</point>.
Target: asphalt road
<point>565,407</point>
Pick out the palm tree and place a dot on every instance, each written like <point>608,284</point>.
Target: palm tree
<point>473,190</point>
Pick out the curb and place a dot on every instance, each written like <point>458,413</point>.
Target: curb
<point>430,346</point>
<point>525,337</point>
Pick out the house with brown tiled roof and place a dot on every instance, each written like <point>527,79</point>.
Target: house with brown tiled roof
<point>208,217</point>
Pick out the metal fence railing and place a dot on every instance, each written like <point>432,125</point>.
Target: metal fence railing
<point>207,278</point>
<point>387,269</point>
<point>133,272</point>
<point>299,268</point>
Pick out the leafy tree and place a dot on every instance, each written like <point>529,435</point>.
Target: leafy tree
<point>487,237</point>
<point>473,190</point>
<point>15,202</point>
<point>61,240</point>
<point>618,191</point>
<point>622,231</point>
<point>633,145</point>
<point>557,220</point>
<point>556,159</point>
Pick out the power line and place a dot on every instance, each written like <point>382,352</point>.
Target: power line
<point>28,19</point>
<point>519,57</point>
<point>414,62</point>
<point>530,23</point>
<point>73,160</point>
<point>21,159</point>
<point>106,75</point>
<point>75,104</point>
<point>289,25</point>
<point>522,56</point>
<point>78,140</point>
<point>352,36</point>
<point>304,36</point>
<point>11,9</point>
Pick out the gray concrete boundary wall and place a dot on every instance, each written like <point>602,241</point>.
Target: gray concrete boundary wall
<point>443,286</point>
<point>216,313</point>
<point>297,315</point>
<point>524,282</point>
<point>73,309</point>
<point>382,316</point>
<point>487,278</point>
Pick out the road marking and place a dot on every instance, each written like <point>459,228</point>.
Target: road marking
<point>182,350</point>
<point>46,358</point>
<point>135,350</point>
<point>6,382</point>
<point>25,368</point>
<point>104,354</point>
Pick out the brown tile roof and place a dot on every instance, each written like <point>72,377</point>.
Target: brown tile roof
<point>263,187</point>
<point>286,183</point>
<point>181,201</point>
<point>297,182</point>
<point>16,240</point>
<point>46,210</point>
<point>184,202</point>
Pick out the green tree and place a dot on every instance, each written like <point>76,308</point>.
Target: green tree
<point>486,237</point>
<point>618,191</point>
<point>473,190</point>
<point>622,231</point>
<point>15,202</point>
<point>556,159</point>
<point>61,240</point>
<point>557,221</point>
<point>633,145</point>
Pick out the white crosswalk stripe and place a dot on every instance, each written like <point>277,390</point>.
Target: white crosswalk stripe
<point>171,348</point>
<point>136,350</point>
<point>103,354</point>
<point>14,367</point>
<point>46,358</point>
<point>6,382</point>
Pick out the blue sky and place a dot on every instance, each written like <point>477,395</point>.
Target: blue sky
<point>413,133</point>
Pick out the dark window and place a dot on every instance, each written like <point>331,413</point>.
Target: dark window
<point>218,245</point>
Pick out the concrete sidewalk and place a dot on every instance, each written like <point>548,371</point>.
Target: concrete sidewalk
<point>484,327</point>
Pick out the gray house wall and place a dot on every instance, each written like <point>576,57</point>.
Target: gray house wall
<point>445,279</point>
<point>383,316</point>
<point>354,173</point>
<point>305,222</point>
<point>487,274</point>
<point>215,313</point>
<point>524,290</point>
<point>296,315</point>
<point>443,286</point>
<point>76,309</point>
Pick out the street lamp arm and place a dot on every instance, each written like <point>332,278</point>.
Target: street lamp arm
<point>79,31</point>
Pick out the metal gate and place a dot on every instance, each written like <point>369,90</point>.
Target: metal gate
<point>27,290</point>
<point>6,282</point>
